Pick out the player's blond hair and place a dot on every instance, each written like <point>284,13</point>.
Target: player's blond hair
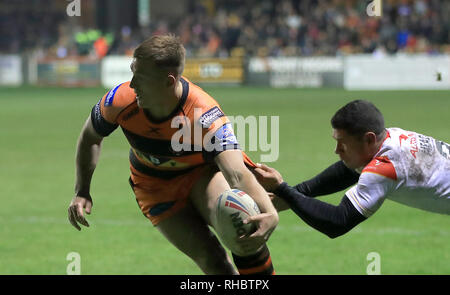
<point>165,51</point>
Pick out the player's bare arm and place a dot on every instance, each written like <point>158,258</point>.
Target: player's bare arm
<point>87,154</point>
<point>238,176</point>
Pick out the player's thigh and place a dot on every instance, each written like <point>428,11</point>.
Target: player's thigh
<point>206,191</point>
<point>187,231</point>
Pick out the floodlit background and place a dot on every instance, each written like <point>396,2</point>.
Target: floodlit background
<point>298,60</point>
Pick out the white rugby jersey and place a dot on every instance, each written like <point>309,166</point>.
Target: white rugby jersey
<point>410,168</point>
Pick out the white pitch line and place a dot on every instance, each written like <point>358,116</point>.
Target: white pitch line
<point>282,228</point>
<point>65,221</point>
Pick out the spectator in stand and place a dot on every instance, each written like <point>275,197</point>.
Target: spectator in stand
<point>214,28</point>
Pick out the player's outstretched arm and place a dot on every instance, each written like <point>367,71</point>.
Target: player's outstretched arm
<point>87,154</point>
<point>331,220</point>
<point>331,180</point>
<point>278,202</point>
<point>231,163</point>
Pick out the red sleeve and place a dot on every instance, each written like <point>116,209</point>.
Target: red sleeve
<point>381,166</point>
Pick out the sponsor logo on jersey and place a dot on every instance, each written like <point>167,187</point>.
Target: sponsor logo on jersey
<point>418,143</point>
<point>110,97</point>
<point>414,148</point>
<point>210,116</point>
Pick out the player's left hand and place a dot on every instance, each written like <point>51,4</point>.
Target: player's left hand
<point>265,224</point>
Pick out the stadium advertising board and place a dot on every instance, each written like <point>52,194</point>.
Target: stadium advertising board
<point>397,72</point>
<point>116,69</point>
<point>295,71</point>
<point>72,72</point>
<point>10,70</point>
<point>215,70</point>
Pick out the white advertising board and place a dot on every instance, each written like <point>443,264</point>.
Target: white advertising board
<point>10,70</point>
<point>115,70</point>
<point>400,72</point>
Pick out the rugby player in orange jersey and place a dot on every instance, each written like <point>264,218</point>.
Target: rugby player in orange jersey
<point>176,189</point>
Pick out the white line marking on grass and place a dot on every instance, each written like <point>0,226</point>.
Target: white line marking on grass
<point>62,221</point>
<point>282,228</point>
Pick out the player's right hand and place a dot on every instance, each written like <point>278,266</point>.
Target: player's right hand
<point>76,210</point>
<point>268,177</point>
<point>265,225</point>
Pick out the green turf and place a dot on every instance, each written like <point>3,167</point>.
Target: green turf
<point>39,128</point>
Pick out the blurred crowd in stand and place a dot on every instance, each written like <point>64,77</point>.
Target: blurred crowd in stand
<point>221,28</point>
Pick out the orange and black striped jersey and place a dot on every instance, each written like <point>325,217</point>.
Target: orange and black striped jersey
<point>192,135</point>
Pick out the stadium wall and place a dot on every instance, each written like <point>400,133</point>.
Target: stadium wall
<point>365,72</point>
<point>296,71</point>
<point>212,71</point>
<point>353,72</point>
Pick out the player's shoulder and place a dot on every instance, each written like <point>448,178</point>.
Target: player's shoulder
<point>203,107</point>
<point>398,136</point>
<point>391,148</point>
<point>198,97</point>
<point>116,100</point>
<point>381,166</point>
<point>397,145</point>
<point>119,96</point>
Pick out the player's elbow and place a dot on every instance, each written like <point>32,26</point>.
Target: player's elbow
<point>334,235</point>
<point>337,231</point>
<point>89,135</point>
<point>87,140</point>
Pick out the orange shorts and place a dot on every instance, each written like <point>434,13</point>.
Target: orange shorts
<point>161,198</point>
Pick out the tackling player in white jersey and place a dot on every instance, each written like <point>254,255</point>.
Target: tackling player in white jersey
<point>384,163</point>
<point>410,168</point>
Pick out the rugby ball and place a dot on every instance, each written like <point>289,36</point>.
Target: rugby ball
<point>233,207</point>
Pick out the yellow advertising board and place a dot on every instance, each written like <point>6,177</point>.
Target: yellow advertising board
<point>214,70</point>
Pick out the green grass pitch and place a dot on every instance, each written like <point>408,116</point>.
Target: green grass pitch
<point>39,128</point>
